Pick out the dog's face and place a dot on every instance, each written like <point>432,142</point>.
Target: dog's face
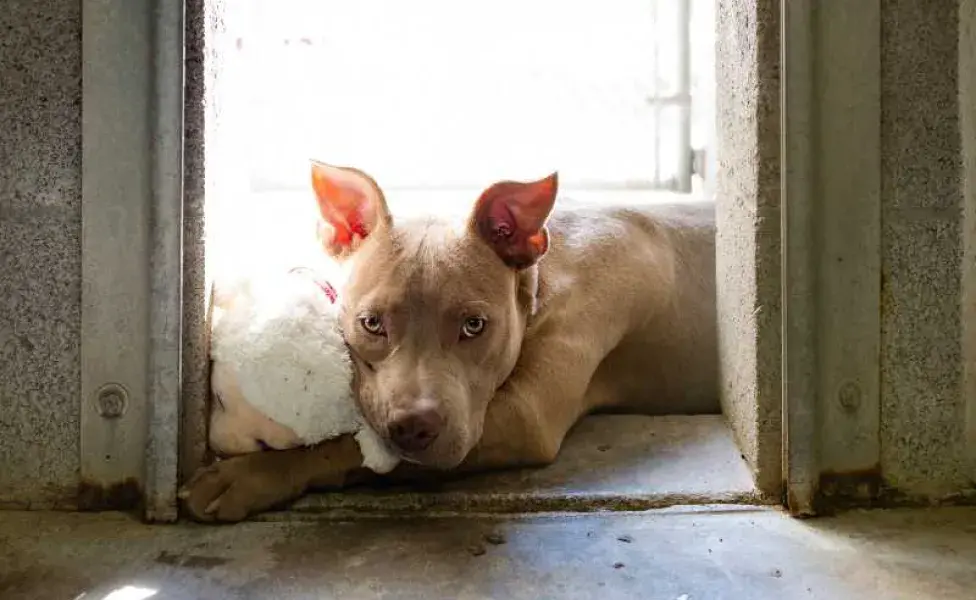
<point>434,312</point>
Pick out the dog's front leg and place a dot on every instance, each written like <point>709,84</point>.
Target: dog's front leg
<point>529,417</point>
<point>233,489</point>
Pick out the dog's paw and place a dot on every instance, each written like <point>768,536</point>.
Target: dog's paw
<point>233,489</point>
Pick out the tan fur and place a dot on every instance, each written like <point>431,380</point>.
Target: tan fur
<point>618,315</point>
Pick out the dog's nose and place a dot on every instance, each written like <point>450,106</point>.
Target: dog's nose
<point>416,429</point>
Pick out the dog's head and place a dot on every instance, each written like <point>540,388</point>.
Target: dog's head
<point>434,311</point>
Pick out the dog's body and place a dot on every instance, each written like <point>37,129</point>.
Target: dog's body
<point>474,352</point>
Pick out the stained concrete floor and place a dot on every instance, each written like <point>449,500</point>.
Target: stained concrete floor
<point>668,554</point>
<point>522,535</point>
<point>608,461</point>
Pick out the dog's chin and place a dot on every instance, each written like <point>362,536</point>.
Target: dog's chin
<point>432,459</point>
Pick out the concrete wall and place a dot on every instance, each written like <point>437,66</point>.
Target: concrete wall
<point>921,447</point>
<point>748,101</point>
<point>967,110</point>
<point>40,251</point>
<point>924,347</point>
<point>204,31</point>
<point>213,182</point>
<point>923,409</point>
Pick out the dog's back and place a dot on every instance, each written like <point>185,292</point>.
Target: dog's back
<point>657,262</point>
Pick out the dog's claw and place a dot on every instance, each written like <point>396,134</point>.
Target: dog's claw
<point>233,489</point>
<point>212,507</point>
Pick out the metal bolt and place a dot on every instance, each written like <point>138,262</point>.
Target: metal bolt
<point>850,396</point>
<point>111,401</point>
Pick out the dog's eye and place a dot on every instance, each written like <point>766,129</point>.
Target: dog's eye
<point>472,327</point>
<point>372,324</point>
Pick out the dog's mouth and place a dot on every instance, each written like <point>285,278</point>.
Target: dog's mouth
<point>426,458</point>
<point>413,458</point>
<point>408,459</point>
<point>392,448</point>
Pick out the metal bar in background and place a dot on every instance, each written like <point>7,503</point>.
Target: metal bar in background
<point>683,141</point>
<point>166,263</point>
<point>655,66</point>
<point>670,100</point>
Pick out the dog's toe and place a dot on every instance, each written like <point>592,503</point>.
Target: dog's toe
<point>203,491</point>
<point>231,490</point>
<point>233,507</point>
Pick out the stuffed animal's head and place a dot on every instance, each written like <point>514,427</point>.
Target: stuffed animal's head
<point>281,374</point>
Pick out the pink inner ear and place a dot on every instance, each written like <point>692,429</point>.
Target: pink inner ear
<point>511,217</point>
<point>344,203</point>
<point>521,208</point>
<point>346,224</point>
<point>501,221</point>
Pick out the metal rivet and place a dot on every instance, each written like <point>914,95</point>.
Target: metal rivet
<point>850,396</point>
<point>111,400</point>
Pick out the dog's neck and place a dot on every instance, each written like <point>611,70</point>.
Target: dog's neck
<point>528,291</point>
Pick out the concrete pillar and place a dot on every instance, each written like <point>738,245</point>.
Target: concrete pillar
<point>923,409</point>
<point>40,253</point>
<point>748,262</point>
<point>967,111</point>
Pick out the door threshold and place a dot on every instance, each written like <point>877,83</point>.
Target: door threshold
<point>609,463</point>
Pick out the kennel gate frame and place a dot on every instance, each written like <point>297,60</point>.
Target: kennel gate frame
<point>132,247</point>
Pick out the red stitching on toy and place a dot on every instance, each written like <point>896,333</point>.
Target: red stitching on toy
<point>322,284</point>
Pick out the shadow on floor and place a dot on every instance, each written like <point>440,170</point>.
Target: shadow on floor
<point>608,462</point>
<point>674,554</point>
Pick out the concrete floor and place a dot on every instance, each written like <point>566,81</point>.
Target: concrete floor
<point>461,540</point>
<point>667,554</point>
<point>608,461</point>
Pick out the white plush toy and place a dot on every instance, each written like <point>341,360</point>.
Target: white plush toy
<point>282,377</point>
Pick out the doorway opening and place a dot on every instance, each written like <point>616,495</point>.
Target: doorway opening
<point>437,100</point>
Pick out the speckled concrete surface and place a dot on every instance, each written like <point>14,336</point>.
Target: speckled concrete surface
<point>201,25</point>
<point>923,423</point>
<point>923,413</point>
<point>748,554</point>
<point>748,262</point>
<point>967,109</point>
<point>40,250</point>
<point>920,116</point>
<point>609,461</point>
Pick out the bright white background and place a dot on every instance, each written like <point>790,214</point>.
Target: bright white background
<point>439,98</point>
<point>453,93</point>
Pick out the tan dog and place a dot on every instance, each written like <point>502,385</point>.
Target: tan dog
<point>479,343</point>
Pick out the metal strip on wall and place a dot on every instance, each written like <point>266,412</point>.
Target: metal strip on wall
<point>132,102</point>
<point>832,250</point>
<point>800,385</point>
<point>848,195</point>
<point>166,263</point>
<point>116,199</point>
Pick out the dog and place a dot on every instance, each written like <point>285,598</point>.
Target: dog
<point>479,342</point>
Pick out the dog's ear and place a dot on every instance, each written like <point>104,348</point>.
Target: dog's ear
<point>511,217</point>
<point>351,207</point>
